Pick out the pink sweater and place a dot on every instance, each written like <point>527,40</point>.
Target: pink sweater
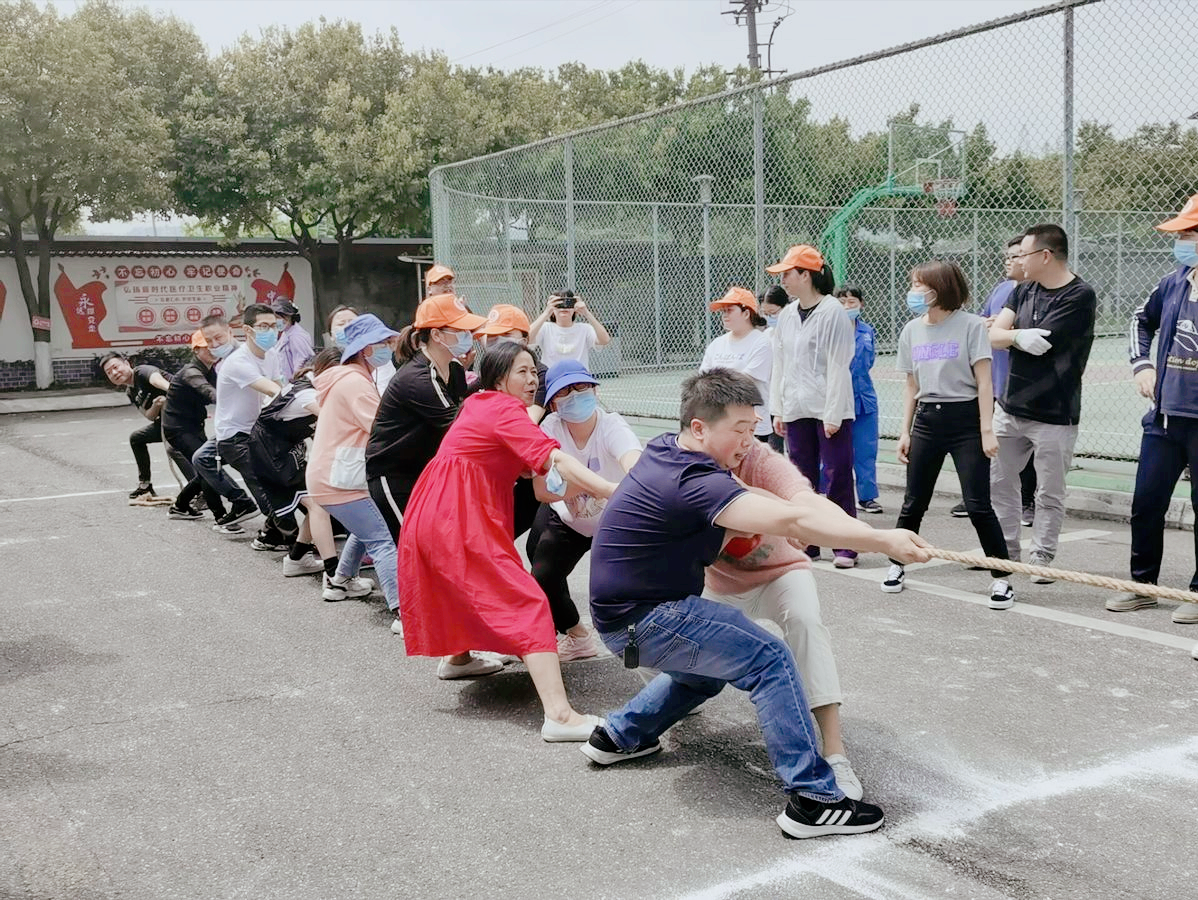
<point>349,402</point>
<point>747,563</point>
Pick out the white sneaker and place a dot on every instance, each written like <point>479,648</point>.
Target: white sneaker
<point>557,733</point>
<point>570,647</point>
<point>397,625</point>
<point>477,667</point>
<point>1040,559</point>
<point>1002,595</point>
<point>308,564</point>
<point>348,589</point>
<point>1186,614</point>
<point>895,576</point>
<point>846,778</point>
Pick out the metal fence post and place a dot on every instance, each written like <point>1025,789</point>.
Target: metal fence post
<point>507,253</point>
<point>893,336</point>
<point>1067,216</point>
<point>570,235</point>
<point>759,188</point>
<point>976,251</point>
<point>657,281</point>
<point>442,222</point>
<point>704,182</point>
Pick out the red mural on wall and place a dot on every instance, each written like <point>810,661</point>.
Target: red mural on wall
<point>270,293</point>
<point>83,309</point>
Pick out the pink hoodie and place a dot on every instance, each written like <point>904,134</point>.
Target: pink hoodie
<point>348,404</point>
<point>751,562</point>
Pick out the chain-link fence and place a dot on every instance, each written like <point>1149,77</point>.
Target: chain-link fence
<point>1074,113</point>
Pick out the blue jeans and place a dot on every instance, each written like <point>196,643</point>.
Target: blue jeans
<point>699,646</point>
<point>208,466</point>
<point>368,532</point>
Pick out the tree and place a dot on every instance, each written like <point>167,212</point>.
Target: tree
<point>77,132</point>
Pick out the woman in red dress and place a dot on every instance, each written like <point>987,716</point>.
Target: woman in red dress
<point>464,584</point>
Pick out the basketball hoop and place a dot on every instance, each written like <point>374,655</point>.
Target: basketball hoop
<point>947,192</point>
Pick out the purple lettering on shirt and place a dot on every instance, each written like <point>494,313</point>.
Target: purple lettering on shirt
<point>941,350</point>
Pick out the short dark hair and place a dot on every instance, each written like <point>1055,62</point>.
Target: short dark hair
<point>497,361</point>
<point>250,315</point>
<point>774,294</point>
<point>1015,241</point>
<point>1050,237</point>
<point>109,357</point>
<point>707,395</point>
<point>850,290</point>
<point>948,281</point>
<point>214,319</point>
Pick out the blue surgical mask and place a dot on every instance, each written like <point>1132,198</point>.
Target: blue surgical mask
<point>1186,252</point>
<point>771,321</point>
<point>855,312</point>
<point>266,339</point>
<point>463,343</point>
<point>222,351</point>
<point>339,337</point>
<point>917,302</point>
<point>577,407</point>
<point>379,356</point>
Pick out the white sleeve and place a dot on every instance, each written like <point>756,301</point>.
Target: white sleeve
<point>777,360</point>
<point>839,339</point>
<point>759,364</point>
<point>707,363</point>
<point>590,339</point>
<point>618,437</point>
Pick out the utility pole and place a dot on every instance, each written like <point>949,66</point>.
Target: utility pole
<point>745,12</point>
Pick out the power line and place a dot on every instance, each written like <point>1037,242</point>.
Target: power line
<point>518,37</point>
<point>564,33</point>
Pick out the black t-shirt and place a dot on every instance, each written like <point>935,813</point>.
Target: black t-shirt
<point>1048,388</point>
<point>141,392</point>
<point>192,391</point>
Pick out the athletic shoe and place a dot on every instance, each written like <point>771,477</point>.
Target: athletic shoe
<point>1129,602</point>
<point>397,625</point>
<point>1040,559</point>
<point>557,733</point>
<point>871,506</point>
<point>895,576</point>
<point>144,488</point>
<point>200,503</point>
<point>601,749</point>
<point>959,511</point>
<point>348,589</point>
<point>846,778</point>
<point>1028,515</point>
<point>231,528</point>
<point>844,562</point>
<point>241,510</point>
<point>187,515</point>
<point>1186,614</point>
<point>1002,595</point>
<point>570,648</point>
<point>476,668</point>
<point>271,541</point>
<point>804,818</point>
<point>308,564</point>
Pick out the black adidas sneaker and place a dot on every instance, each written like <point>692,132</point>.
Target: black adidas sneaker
<point>804,818</point>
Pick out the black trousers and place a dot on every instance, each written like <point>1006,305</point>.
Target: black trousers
<point>555,549</point>
<point>951,429</point>
<point>391,494</point>
<point>1163,457</point>
<point>526,506</point>
<point>235,451</point>
<point>139,443</point>
<point>187,443</point>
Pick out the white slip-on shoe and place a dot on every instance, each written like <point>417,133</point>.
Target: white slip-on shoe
<point>556,732</point>
<point>477,667</point>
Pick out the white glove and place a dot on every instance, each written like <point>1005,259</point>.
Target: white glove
<point>1032,340</point>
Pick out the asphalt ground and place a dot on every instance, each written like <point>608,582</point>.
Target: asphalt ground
<point>178,720</point>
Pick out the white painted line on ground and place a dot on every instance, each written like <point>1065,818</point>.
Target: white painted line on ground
<point>842,861</point>
<point>55,496</point>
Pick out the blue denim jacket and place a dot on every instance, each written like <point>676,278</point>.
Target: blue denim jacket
<point>1157,316</point>
<point>865,398</point>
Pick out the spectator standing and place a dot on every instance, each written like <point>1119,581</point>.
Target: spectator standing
<point>295,344</point>
<point>558,334</point>
<point>865,401</point>
<point>743,348</point>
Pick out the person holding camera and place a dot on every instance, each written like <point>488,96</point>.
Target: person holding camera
<point>558,334</point>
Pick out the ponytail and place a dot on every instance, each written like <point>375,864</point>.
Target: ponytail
<point>823,280</point>
<point>411,339</point>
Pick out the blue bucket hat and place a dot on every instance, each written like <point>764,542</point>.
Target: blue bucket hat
<point>364,331</point>
<point>564,373</point>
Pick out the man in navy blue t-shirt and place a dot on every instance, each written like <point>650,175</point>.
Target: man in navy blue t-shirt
<point>665,523</point>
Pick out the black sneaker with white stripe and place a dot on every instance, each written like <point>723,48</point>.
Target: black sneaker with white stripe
<point>600,748</point>
<point>804,818</point>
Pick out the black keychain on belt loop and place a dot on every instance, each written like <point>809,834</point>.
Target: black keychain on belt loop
<point>632,653</point>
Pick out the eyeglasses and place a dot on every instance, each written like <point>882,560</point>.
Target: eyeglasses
<point>263,328</point>
<point>579,388</point>
<point>1029,253</point>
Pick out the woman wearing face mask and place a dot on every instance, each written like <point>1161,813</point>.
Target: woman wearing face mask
<point>562,532</point>
<point>338,319</point>
<point>742,348</point>
<point>464,583</point>
<point>865,400</point>
<point>336,476</point>
<point>419,404</point>
<point>948,409</point>
<point>770,303</point>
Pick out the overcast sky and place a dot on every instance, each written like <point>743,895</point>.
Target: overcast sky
<point>604,33</point>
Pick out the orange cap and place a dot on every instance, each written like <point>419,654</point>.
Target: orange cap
<point>1185,220</point>
<point>198,341</point>
<point>504,318</point>
<point>446,311</point>
<point>800,256</point>
<point>436,273</point>
<point>736,296</point>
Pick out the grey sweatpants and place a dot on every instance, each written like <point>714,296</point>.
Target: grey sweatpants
<point>1019,439</point>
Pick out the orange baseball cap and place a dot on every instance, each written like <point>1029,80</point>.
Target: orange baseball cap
<point>446,311</point>
<point>1184,220</point>
<point>736,296</point>
<point>437,273</point>
<point>198,341</point>
<point>504,318</point>
<point>800,256</point>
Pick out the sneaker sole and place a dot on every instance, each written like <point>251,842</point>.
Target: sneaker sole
<point>607,758</point>
<point>574,657</point>
<point>1040,579</point>
<point>1129,608</point>
<point>1005,603</point>
<point>296,573</point>
<point>270,548</point>
<point>892,588</point>
<point>798,830</point>
<point>847,564</point>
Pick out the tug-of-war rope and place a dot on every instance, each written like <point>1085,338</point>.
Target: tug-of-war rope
<point>1102,581</point>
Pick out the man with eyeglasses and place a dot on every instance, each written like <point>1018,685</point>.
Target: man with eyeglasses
<point>1170,440</point>
<point>1000,366</point>
<point>1048,325</point>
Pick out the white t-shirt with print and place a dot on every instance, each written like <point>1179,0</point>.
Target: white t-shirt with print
<point>750,355</point>
<point>557,343</point>
<point>238,404</point>
<point>610,440</point>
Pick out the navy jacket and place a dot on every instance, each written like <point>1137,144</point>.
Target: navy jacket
<point>1158,316</point>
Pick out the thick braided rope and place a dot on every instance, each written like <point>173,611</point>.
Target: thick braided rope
<point>1102,581</point>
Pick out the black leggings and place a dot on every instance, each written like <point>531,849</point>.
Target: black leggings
<point>187,443</point>
<point>941,429</point>
<point>391,494</point>
<point>555,549</point>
